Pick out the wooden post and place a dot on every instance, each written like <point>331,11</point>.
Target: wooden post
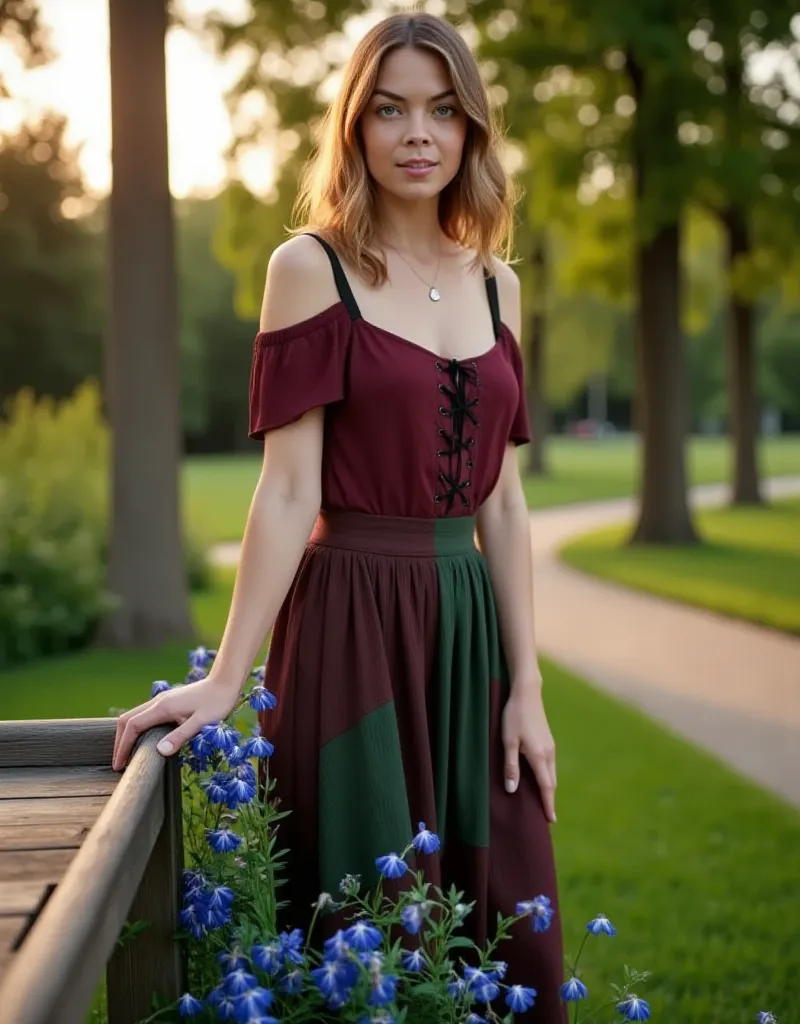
<point>153,962</point>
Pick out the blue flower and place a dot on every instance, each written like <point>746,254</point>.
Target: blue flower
<point>481,984</point>
<point>237,756</point>
<point>194,675</point>
<point>335,978</point>
<point>267,958</point>
<point>193,881</point>
<point>201,657</point>
<point>413,960</point>
<point>216,787</point>
<point>633,1008</point>
<point>188,1006</point>
<point>363,936</point>
<point>291,944</point>
<point>258,673</point>
<point>221,737</point>
<point>223,840</point>
<point>573,990</point>
<point>223,1002</point>
<point>192,921</point>
<point>253,1003</point>
<point>413,917</point>
<point>336,948</point>
<point>260,699</point>
<point>220,897</point>
<point>457,988</point>
<point>231,960</point>
<point>159,686</point>
<point>519,999</point>
<point>239,791</point>
<point>383,989</point>
<point>499,969</point>
<point>382,1017</point>
<point>601,925</point>
<point>257,746</point>
<point>239,981</point>
<point>539,910</point>
<point>425,841</point>
<point>765,1017</point>
<point>291,983</point>
<point>391,866</point>
<point>475,1018</point>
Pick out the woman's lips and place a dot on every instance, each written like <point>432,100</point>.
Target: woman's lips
<point>418,170</point>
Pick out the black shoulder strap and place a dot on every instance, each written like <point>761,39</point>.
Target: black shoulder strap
<point>339,276</point>
<point>494,303</point>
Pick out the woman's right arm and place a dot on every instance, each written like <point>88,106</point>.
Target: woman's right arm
<point>282,514</point>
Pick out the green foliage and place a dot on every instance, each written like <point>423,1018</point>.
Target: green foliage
<point>52,303</point>
<point>54,470</point>
<point>53,460</point>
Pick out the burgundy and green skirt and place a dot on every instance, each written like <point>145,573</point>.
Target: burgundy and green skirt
<point>387,664</point>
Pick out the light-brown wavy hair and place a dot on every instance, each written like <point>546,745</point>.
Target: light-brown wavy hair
<point>337,195</point>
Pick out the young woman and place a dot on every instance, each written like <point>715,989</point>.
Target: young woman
<point>387,386</point>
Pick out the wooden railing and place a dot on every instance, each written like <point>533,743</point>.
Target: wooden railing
<point>82,850</point>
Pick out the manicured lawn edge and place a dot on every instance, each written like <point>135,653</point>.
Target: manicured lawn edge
<point>735,572</point>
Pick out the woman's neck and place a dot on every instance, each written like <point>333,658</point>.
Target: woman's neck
<point>411,228</point>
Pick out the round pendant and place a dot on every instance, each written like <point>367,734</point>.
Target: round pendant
<point>434,295</point>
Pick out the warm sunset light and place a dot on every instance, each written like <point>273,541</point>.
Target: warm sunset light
<point>77,84</point>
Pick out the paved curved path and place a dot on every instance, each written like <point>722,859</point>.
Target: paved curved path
<point>730,687</point>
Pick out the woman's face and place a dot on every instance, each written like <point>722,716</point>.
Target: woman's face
<point>413,126</point>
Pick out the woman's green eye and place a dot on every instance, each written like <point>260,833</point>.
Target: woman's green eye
<point>386,106</point>
<point>448,110</point>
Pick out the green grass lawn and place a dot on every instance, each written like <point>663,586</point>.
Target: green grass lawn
<point>748,565</point>
<point>695,867</point>
<point>217,489</point>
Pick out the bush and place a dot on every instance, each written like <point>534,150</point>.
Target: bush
<point>53,514</point>
<point>54,460</point>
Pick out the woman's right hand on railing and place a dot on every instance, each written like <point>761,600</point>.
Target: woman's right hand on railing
<point>191,706</point>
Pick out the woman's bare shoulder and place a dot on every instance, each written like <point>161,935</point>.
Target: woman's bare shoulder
<point>299,283</point>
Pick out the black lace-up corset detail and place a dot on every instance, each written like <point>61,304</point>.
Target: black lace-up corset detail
<point>461,396</point>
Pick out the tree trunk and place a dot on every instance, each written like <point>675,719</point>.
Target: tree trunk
<point>742,378</point>
<point>662,393</point>
<point>538,409</point>
<point>146,561</point>
<point>664,516</point>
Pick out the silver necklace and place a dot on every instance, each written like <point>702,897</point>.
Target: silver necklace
<point>433,292</point>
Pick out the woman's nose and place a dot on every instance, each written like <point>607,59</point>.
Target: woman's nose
<point>418,133</point>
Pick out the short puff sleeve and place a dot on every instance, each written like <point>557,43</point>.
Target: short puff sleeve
<point>520,431</point>
<point>297,368</point>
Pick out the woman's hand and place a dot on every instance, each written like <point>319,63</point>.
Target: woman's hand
<point>525,729</point>
<point>192,706</point>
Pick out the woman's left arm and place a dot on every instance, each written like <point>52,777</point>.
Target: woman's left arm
<point>504,535</point>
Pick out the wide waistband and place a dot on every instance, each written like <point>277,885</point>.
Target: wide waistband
<point>395,535</point>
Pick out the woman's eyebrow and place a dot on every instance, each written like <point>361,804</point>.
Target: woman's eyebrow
<point>402,99</point>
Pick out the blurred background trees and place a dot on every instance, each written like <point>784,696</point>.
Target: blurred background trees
<point>658,147</point>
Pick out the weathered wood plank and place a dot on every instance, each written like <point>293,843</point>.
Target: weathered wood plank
<point>77,931</point>
<point>153,962</point>
<point>82,810</point>
<point>63,741</point>
<point>53,836</point>
<point>34,865</point>
<point>11,930</point>
<point>25,783</point>
<point>22,897</point>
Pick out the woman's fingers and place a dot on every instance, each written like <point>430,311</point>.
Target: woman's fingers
<point>511,766</point>
<point>174,740</point>
<point>543,764</point>
<point>132,724</point>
